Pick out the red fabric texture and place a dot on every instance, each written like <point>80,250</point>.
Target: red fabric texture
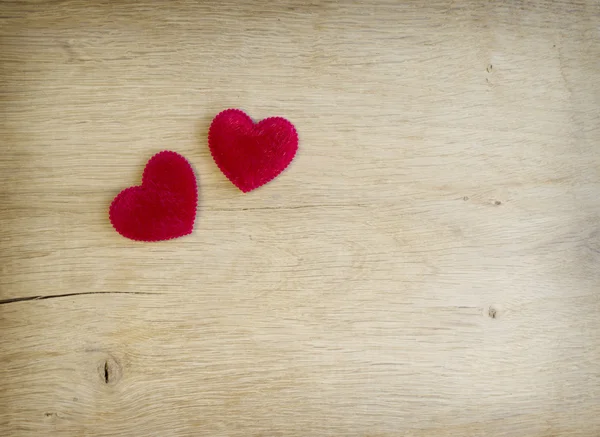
<point>163,207</point>
<point>251,154</point>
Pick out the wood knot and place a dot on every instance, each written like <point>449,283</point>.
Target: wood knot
<point>110,370</point>
<point>494,311</point>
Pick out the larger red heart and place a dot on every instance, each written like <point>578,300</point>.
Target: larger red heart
<point>251,154</point>
<point>163,207</point>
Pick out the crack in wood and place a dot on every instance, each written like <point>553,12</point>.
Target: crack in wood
<point>269,208</point>
<point>53,296</point>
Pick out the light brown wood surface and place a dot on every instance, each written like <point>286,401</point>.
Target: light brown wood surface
<point>429,265</point>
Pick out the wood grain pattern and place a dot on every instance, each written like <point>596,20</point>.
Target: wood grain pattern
<point>427,266</point>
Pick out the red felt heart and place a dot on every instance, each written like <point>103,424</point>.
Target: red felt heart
<point>163,207</point>
<point>251,154</point>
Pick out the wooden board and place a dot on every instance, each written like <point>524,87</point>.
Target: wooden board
<point>427,266</point>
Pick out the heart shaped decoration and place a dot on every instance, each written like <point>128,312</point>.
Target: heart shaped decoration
<point>163,207</point>
<point>251,154</point>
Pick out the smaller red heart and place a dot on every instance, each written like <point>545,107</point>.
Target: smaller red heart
<point>251,154</point>
<point>163,207</point>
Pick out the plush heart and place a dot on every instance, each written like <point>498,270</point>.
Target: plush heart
<point>251,154</point>
<point>163,207</point>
